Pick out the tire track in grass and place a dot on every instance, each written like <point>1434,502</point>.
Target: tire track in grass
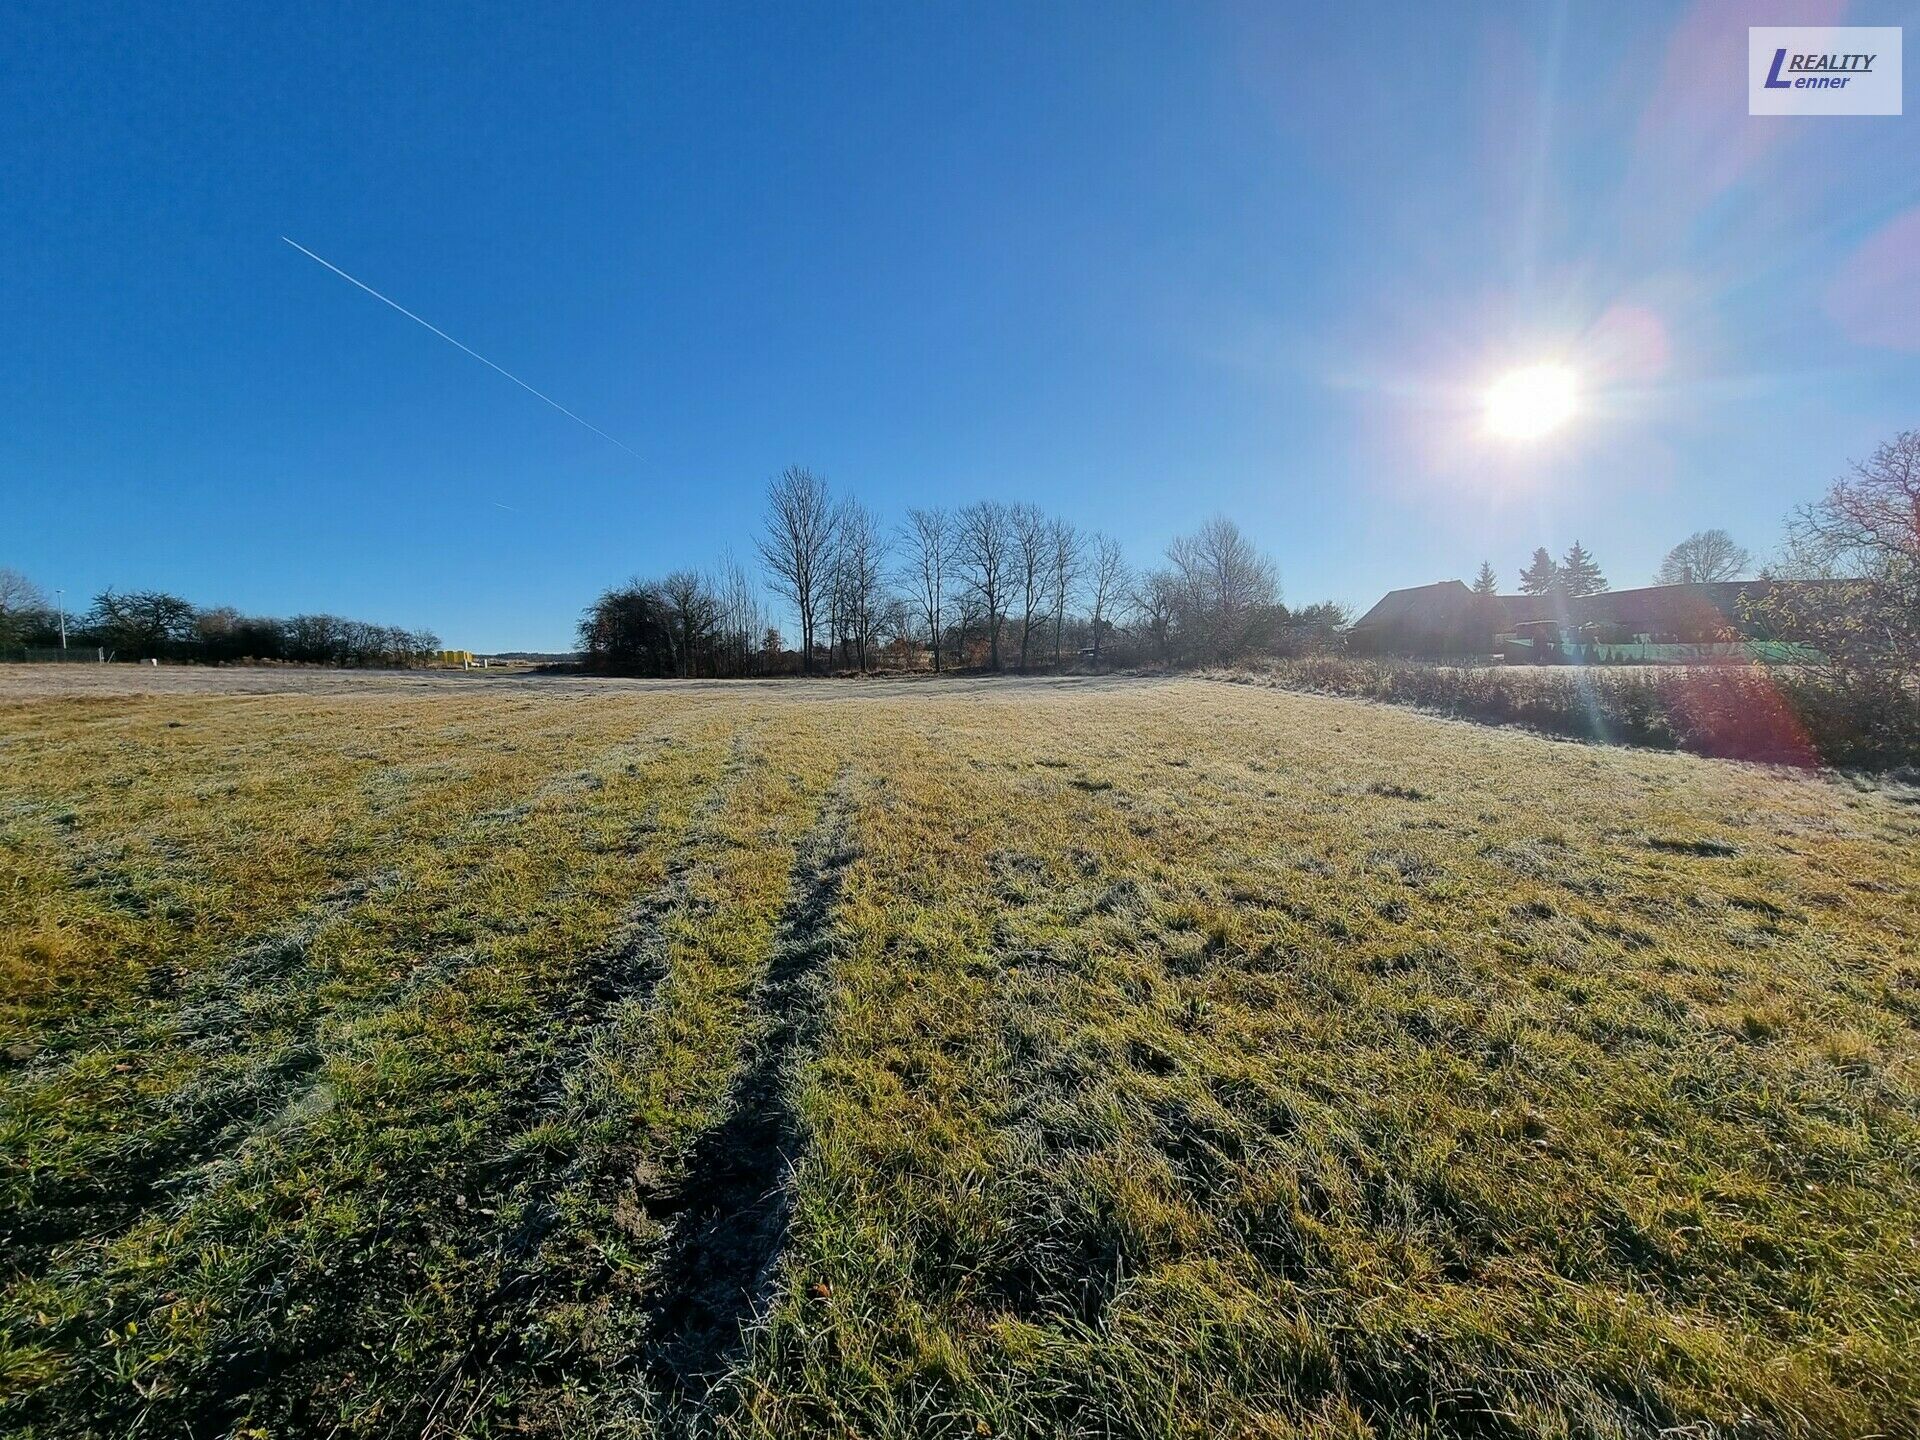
<point>613,981</point>
<point>730,1211</point>
<point>619,983</point>
<point>560,1343</point>
<point>321,1030</point>
<point>248,1027</point>
<point>254,1028</point>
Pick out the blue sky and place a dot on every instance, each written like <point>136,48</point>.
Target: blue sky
<point>1138,264</point>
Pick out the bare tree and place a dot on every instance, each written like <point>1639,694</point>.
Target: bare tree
<point>1067,554</point>
<point>146,623</point>
<point>1156,599</point>
<point>860,554</point>
<point>894,629</point>
<point>985,548</point>
<point>1226,585</point>
<point>692,615</point>
<point>1106,586</point>
<point>742,618</point>
<point>23,605</point>
<point>1031,554</point>
<point>1863,536</point>
<point>928,540</point>
<point>967,609</point>
<point>17,592</point>
<point>839,642</point>
<point>1867,525</point>
<point>1705,557</point>
<point>797,547</point>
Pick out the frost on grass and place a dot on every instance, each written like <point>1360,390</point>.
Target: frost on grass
<point>1144,1060</point>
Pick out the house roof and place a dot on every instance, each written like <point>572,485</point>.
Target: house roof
<point>1426,606</point>
<point>1649,607</point>
<point>1447,604</point>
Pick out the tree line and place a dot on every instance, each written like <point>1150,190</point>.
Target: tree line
<point>154,624</point>
<point>1000,585</point>
<point>1706,557</point>
<point>993,585</point>
<point>990,585</point>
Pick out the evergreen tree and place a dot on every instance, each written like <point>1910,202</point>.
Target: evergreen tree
<point>1488,617</point>
<point>1579,575</point>
<point>1542,576</point>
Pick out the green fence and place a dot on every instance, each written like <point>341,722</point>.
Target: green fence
<point>1734,652</point>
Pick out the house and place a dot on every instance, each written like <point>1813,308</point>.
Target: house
<point>1679,614</point>
<point>1447,618</point>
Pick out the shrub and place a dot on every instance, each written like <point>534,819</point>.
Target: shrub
<point>1742,712</point>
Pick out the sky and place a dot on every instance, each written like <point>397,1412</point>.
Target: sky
<point>1138,264</point>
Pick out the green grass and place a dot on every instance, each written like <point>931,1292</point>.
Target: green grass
<point>1174,1059</point>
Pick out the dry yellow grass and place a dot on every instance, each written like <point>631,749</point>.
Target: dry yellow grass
<point>1166,1058</point>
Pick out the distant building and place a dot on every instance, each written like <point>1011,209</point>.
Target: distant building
<point>1447,618</point>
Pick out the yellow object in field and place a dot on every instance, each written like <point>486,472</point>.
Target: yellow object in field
<point>453,657</point>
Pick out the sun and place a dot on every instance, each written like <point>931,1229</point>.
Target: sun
<point>1531,402</point>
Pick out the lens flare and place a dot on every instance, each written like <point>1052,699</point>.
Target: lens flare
<point>1529,403</point>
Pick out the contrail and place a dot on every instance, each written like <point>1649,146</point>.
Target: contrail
<point>458,346</point>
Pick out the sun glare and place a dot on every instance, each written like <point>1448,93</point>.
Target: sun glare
<point>1529,403</point>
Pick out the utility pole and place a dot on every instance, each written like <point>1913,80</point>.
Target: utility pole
<point>60,599</point>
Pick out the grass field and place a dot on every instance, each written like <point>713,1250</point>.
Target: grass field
<point>1144,1059</point>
